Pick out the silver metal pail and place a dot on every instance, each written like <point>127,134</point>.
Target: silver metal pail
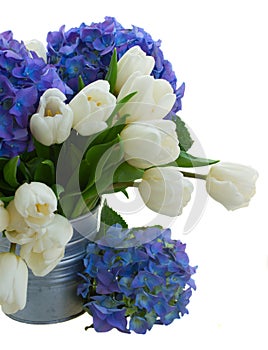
<point>53,298</point>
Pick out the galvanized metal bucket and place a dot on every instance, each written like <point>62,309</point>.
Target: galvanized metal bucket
<point>53,298</point>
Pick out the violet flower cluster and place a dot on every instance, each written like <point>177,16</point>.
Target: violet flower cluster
<point>136,287</point>
<point>86,51</point>
<point>24,77</point>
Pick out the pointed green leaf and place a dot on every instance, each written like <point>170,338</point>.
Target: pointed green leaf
<point>10,172</point>
<point>110,217</point>
<point>45,172</point>
<point>127,173</point>
<point>81,83</point>
<point>111,75</point>
<point>186,160</point>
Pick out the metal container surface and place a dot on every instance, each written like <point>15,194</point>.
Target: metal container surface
<point>53,298</point>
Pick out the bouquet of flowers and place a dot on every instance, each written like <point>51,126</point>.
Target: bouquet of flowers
<point>96,113</point>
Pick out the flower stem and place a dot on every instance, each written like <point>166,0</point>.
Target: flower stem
<point>193,175</point>
<point>12,248</point>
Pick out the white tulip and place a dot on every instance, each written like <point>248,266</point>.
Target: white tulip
<point>233,185</point>
<point>13,283</point>
<point>18,231</point>
<point>150,143</point>
<point>38,47</point>
<point>53,121</point>
<point>165,190</point>
<point>36,203</point>
<point>154,98</point>
<point>91,107</point>
<point>133,60</point>
<point>44,253</point>
<point>4,217</point>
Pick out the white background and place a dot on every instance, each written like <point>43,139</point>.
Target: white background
<point>219,48</point>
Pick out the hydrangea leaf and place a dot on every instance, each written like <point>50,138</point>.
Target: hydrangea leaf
<point>184,137</point>
<point>110,217</point>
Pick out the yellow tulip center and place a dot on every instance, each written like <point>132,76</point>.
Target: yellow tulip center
<point>42,208</point>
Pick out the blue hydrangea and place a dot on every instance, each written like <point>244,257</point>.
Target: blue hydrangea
<point>136,287</point>
<point>86,50</point>
<point>23,79</point>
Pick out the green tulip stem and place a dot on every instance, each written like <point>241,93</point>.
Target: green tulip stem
<point>193,175</point>
<point>12,248</point>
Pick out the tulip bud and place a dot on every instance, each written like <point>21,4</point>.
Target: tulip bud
<point>165,190</point>
<point>132,61</point>
<point>44,253</point>
<point>13,283</point>
<point>53,121</point>
<point>36,203</point>
<point>91,107</point>
<point>154,98</point>
<point>4,217</point>
<point>150,143</point>
<point>233,185</point>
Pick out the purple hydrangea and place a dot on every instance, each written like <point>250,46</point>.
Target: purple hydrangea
<point>87,51</point>
<point>133,288</point>
<point>23,79</point>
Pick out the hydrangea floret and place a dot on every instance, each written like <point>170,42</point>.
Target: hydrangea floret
<point>138,285</point>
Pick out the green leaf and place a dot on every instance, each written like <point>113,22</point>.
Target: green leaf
<point>119,105</point>
<point>45,172</point>
<point>186,160</point>
<point>10,172</point>
<point>81,83</point>
<point>127,173</point>
<point>93,156</point>
<point>107,166</point>
<point>184,137</point>
<point>42,151</point>
<point>3,162</point>
<point>111,75</point>
<point>110,217</point>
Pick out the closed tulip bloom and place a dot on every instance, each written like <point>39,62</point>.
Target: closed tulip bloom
<point>91,107</point>
<point>38,47</point>
<point>13,283</point>
<point>133,60</point>
<point>233,185</point>
<point>154,98</point>
<point>53,121</point>
<point>150,143</point>
<point>165,190</point>
<point>4,217</point>
<point>36,203</point>
<point>45,252</point>
<point>18,231</point>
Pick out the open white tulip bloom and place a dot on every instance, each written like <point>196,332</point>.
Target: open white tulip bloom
<point>36,203</point>
<point>38,47</point>
<point>53,121</point>
<point>91,107</point>
<point>165,190</point>
<point>135,59</point>
<point>18,231</point>
<point>44,253</point>
<point>13,283</point>
<point>151,143</point>
<point>4,217</point>
<point>154,98</point>
<point>233,185</point>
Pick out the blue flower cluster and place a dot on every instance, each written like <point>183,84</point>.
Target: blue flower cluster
<point>23,79</point>
<point>133,288</point>
<point>87,51</point>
